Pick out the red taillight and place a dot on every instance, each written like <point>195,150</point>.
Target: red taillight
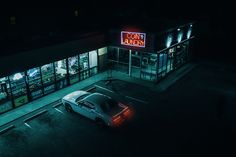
<point>116,120</point>
<point>128,113</point>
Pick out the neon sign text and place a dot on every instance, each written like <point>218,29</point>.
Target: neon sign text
<point>133,39</point>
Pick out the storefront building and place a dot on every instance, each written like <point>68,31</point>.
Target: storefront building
<point>152,57</point>
<point>30,75</point>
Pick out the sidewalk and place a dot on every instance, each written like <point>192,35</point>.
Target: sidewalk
<point>34,105</point>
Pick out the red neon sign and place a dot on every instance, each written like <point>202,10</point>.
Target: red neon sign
<point>133,39</point>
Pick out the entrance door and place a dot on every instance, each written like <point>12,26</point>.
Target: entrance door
<point>170,60</point>
<point>135,64</point>
<point>162,68</point>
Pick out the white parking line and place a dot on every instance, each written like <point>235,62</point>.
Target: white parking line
<point>145,102</point>
<point>28,125</point>
<point>58,110</point>
<point>104,89</point>
<point>142,101</point>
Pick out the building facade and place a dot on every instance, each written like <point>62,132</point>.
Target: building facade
<point>29,75</point>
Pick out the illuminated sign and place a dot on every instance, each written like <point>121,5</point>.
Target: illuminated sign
<point>133,39</point>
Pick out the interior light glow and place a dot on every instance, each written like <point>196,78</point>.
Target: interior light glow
<point>189,33</point>
<point>168,40</point>
<point>17,76</point>
<point>33,72</point>
<point>59,64</point>
<point>72,61</point>
<point>180,36</point>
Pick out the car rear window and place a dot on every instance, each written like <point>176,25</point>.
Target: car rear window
<point>109,105</point>
<point>81,97</point>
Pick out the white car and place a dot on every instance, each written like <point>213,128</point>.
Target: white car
<point>98,107</point>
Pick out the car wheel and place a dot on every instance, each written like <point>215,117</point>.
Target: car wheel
<point>68,108</point>
<point>100,122</point>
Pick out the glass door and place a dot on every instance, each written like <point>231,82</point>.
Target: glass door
<point>34,83</point>
<point>162,65</point>
<point>123,60</point>
<point>135,64</point>
<point>170,60</point>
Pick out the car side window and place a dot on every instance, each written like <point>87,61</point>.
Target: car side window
<point>88,105</point>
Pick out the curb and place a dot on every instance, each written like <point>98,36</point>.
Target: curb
<point>92,88</point>
<point>107,82</point>
<point>35,115</point>
<point>27,114</point>
<point>56,105</point>
<point>6,129</point>
<point>184,72</point>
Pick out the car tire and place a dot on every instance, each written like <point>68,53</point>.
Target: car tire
<point>100,122</point>
<point>68,108</point>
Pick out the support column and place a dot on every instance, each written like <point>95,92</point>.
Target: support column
<point>130,61</point>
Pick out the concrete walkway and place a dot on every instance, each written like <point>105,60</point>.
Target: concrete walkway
<point>34,105</point>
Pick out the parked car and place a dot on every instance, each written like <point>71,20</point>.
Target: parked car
<point>98,107</point>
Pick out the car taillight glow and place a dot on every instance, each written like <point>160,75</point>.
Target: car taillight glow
<point>128,113</point>
<point>116,120</point>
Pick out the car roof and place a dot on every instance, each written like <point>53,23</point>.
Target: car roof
<point>74,95</point>
<point>97,98</point>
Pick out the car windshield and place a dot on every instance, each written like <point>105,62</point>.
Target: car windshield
<point>81,97</point>
<point>109,105</point>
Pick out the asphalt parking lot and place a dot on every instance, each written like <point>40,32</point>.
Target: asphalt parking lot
<point>183,120</point>
<point>57,128</point>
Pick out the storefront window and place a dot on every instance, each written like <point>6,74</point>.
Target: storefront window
<point>5,95</point>
<point>48,78</point>
<point>170,59</point>
<point>73,69</point>
<point>148,66</point>
<point>93,62</point>
<point>124,56</point>
<point>18,87</point>
<point>83,60</point>
<point>34,81</point>
<point>180,55</point>
<point>113,53</point>
<point>135,59</point>
<point>102,51</point>
<point>162,66</point>
<point>84,67</point>
<point>60,67</point>
<point>61,72</point>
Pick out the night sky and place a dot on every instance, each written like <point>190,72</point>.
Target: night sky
<point>214,18</point>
